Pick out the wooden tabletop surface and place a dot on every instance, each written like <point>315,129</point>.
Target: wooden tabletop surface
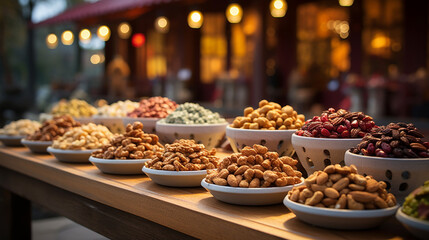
<point>193,211</point>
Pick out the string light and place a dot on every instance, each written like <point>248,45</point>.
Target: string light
<point>52,41</point>
<point>162,24</point>
<point>124,30</point>
<point>345,3</point>
<point>278,8</point>
<point>234,13</point>
<point>85,35</point>
<point>103,33</point>
<point>138,40</point>
<point>67,38</point>
<point>195,19</point>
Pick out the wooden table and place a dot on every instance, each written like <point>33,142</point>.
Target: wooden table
<point>133,207</point>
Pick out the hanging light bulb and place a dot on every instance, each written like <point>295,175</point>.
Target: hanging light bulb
<point>195,19</point>
<point>124,30</point>
<point>67,37</point>
<point>103,33</point>
<point>345,3</point>
<point>162,24</point>
<point>85,35</point>
<point>52,41</point>
<point>234,13</point>
<point>278,8</point>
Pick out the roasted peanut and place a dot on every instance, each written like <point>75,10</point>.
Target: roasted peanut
<point>341,184</point>
<point>315,199</point>
<point>371,185</point>
<point>331,193</point>
<point>363,197</point>
<point>352,204</point>
<point>342,202</point>
<point>322,178</point>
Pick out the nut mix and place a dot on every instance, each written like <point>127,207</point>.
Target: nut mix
<point>21,127</point>
<point>117,109</point>
<point>337,124</point>
<point>134,144</point>
<point>184,155</point>
<point>74,107</point>
<point>396,140</point>
<point>90,136</point>
<point>255,167</point>
<point>54,128</point>
<point>269,116</point>
<point>342,188</point>
<point>193,113</point>
<point>154,107</point>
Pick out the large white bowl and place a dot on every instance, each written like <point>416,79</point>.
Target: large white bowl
<point>116,166</point>
<point>249,196</point>
<point>11,141</point>
<point>208,134</point>
<point>149,124</point>
<point>417,227</point>
<point>77,156</point>
<point>114,124</point>
<point>317,153</point>
<point>403,175</point>
<point>176,178</point>
<point>36,146</point>
<point>275,140</point>
<point>339,218</point>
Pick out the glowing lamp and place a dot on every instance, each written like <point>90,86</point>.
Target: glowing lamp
<point>138,40</point>
<point>162,24</point>
<point>85,35</point>
<point>67,38</point>
<point>103,33</point>
<point>195,19</point>
<point>234,13</point>
<point>278,8</point>
<point>52,41</point>
<point>124,30</point>
<point>345,3</point>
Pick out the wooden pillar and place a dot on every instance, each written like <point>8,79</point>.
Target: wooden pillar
<point>355,38</point>
<point>15,217</point>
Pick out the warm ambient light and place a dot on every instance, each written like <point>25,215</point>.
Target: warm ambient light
<point>124,30</point>
<point>195,19</point>
<point>345,3</point>
<point>162,24</point>
<point>138,40</point>
<point>278,8</point>
<point>103,33</point>
<point>95,59</point>
<point>234,13</point>
<point>52,41</point>
<point>85,35</point>
<point>380,41</point>
<point>67,38</point>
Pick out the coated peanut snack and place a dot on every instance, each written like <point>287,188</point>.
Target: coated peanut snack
<point>74,108</point>
<point>184,155</point>
<point>396,140</point>
<point>342,188</point>
<point>117,109</point>
<point>337,124</point>
<point>133,144</point>
<point>269,116</point>
<point>193,113</point>
<point>23,127</point>
<point>255,167</point>
<point>89,136</point>
<point>54,128</point>
<point>154,107</point>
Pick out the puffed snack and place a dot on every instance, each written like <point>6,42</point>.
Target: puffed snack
<point>23,127</point>
<point>89,136</point>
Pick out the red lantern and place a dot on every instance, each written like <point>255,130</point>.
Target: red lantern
<point>138,40</point>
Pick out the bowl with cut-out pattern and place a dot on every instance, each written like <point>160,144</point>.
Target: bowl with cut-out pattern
<point>275,140</point>
<point>402,175</point>
<point>316,153</point>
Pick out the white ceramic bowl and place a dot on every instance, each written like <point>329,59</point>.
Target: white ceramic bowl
<point>114,124</point>
<point>275,140</point>
<point>176,178</point>
<point>249,196</point>
<point>77,156</point>
<point>11,141</point>
<point>417,227</point>
<point>208,134</point>
<point>116,166</point>
<point>403,175</point>
<point>36,146</point>
<point>339,218</point>
<point>149,124</point>
<point>317,153</point>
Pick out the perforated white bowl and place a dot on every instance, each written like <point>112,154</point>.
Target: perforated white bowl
<point>208,134</point>
<point>402,175</point>
<point>275,140</point>
<point>317,153</point>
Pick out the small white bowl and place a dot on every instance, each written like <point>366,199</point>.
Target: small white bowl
<point>36,146</point>
<point>175,178</point>
<point>417,227</point>
<point>11,141</point>
<point>70,156</point>
<point>339,218</point>
<point>275,140</point>
<point>117,166</point>
<point>317,153</point>
<point>114,124</point>
<point>149,124</point>
<point>208,134</point>
<point>403,175</point>
<point>249,196</point>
